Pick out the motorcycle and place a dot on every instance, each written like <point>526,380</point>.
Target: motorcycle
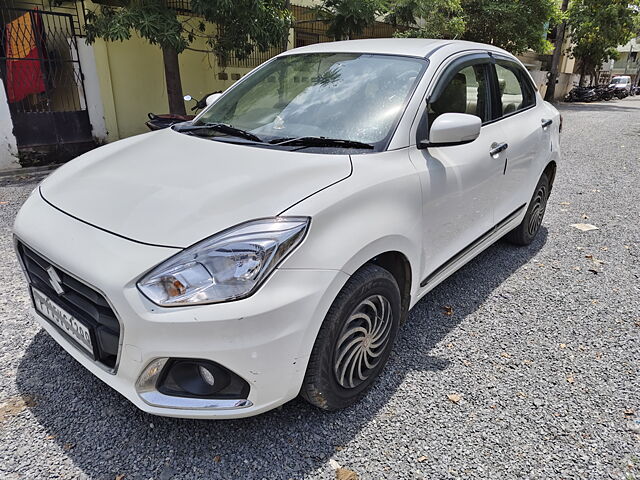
<point>158,122</point>
<point>621,93</point>
<point>581,94</point>
<point>604,93</point>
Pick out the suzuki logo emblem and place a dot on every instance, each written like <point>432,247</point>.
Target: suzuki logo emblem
<point>54,280</point>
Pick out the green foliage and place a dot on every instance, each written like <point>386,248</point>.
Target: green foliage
<point>241,25</point>
<point>598,26</point>
<point>434,18</point>
<point>515,25</point>
<point>348,18</point>
<point>150,18</point>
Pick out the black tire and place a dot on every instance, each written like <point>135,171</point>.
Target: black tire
<point>524,233</point>
<point>329,382</point>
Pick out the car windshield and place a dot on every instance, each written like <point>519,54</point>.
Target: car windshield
<point>619,80</point>
<point>346,96</point>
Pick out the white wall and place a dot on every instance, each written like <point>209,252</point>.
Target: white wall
<point>8,145</point>
<point>539,78</point>
<point>563,86</point>
<point>92,90</point>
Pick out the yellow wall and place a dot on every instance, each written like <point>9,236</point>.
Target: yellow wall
<point>132,81</point>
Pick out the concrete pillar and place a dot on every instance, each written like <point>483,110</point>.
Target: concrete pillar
<point>8,144</point>
<point>92,91</point>
<point>103,70</point>
<point>291,39</point>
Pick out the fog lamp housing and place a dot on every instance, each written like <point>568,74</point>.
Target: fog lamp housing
<point>192,384</point>
<point>188,377</point>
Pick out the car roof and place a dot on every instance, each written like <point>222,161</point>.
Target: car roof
<point>414,47</point>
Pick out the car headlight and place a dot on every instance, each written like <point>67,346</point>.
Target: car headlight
<point>227,266</point>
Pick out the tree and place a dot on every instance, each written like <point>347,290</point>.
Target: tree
<point>241,26</point>
<point>557,52</point>
<point>516,26</point>
<point>348,18</point>
<point>433,18</point>
<point>597,27</point>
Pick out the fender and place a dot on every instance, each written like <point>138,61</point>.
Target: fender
<point>384,187</point>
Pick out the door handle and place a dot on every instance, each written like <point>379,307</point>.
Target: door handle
<point>496,148</point>
<point>546,123</point>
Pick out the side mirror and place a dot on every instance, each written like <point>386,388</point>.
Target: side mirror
<point>187,98</point>
<point>212,98</point>
<point>453,129</point>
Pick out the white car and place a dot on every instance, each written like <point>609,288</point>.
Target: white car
<point>273,246</point>
<point>622,82</point>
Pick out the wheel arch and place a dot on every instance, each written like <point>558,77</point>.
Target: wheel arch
<point>398,265</point>
<point>392,254</point>
<point>550,172</point>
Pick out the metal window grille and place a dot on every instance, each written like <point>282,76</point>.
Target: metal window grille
<point>41,72</point>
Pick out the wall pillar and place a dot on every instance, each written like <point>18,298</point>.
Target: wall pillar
<point>291,39</point>
<point>8,144</point>
<point>103,71</point>
<point>92,91</point>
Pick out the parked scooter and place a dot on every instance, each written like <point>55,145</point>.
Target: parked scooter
<point>158,122</point>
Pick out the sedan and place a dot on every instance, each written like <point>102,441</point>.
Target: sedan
<point>274,245</point>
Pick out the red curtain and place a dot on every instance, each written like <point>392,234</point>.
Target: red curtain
<point>22,47</point>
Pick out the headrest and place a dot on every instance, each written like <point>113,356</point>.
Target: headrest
<point>502,83</point>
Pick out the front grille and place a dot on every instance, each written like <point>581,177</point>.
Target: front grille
<point>83,302</point>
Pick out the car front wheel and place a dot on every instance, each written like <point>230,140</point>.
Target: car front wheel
<point>355,340</point>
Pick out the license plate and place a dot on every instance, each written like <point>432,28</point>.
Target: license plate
<point>70,325</point>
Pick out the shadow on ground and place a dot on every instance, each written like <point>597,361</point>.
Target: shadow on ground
<point>610,106</point>
<point>104,435</point>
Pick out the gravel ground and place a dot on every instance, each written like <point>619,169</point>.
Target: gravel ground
<point>534,375</point>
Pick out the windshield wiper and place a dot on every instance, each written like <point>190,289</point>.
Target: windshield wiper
<point>321,142</point>
<point>219,127</point>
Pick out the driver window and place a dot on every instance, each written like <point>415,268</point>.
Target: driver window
<point>466,92</point>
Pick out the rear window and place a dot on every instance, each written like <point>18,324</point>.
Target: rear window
<point>515,90</point>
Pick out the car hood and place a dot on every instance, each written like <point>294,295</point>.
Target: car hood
<point>170,189</point>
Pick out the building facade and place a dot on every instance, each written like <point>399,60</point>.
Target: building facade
<point>61,96</point>
<point>628,63</point>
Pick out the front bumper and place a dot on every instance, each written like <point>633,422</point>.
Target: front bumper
<point>266,339</point>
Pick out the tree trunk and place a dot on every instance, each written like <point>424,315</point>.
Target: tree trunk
<point>557,53</point>
<point>583,73</point>
<point>174,84</point>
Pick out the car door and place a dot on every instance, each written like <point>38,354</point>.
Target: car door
<point>521,115</point>
<point>458,181</point>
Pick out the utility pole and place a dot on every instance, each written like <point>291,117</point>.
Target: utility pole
<point>557,52</point>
